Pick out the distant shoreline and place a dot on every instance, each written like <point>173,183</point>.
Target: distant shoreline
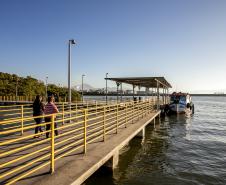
<point>215,95</point>
<point>208,94</point>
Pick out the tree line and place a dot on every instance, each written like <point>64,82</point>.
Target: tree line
<point>10,84</point>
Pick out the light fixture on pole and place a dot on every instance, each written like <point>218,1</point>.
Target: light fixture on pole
<point>82,86</point>
<point>46,88</point>
<point>71,41</point>
<point>106,89</point>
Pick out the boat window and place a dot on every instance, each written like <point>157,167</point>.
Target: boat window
<point>172,98</point>
<point>183,98</point>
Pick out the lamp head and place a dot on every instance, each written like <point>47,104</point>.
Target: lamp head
<point>72,41</point>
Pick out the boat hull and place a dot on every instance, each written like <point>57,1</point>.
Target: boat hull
<point>180,109</point>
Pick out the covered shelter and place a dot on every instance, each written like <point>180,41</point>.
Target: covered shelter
<point>156,83</point>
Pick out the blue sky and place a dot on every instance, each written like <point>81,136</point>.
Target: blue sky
<point>183,40</point>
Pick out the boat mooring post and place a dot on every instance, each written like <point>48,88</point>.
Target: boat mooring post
<point>158,103</point>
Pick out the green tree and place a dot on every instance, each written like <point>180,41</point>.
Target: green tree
<point>30,86</point>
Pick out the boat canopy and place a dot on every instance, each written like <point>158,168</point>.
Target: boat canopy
<point>179,94</point>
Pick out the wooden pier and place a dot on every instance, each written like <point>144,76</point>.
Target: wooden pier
<point>90,137</point>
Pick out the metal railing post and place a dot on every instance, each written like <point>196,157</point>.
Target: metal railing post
<point>142,109</point>
<point>63,113</point>
<point>133,113</point>
<point>52,167</point>
<point>150,106</point>
<point>76,109</point>
<point>96,107</point>
<point>117,119</point>
<point>104,122</point>
<point>85,124</point>
<point>22,119</point>
<point>126,115</point>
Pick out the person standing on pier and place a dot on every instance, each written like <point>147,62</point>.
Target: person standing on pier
<point>38,109</point>
<point>50,108</point>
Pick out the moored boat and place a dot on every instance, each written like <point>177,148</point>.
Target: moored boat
<point>181,103</point>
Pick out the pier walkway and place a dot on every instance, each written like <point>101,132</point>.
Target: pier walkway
<point>89,136</point>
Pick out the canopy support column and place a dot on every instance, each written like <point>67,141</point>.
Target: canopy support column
<point>158,102</point>
<point>133,91</point>
<point>118,84</point>
<point>121,92</point>
<point>168,96</point>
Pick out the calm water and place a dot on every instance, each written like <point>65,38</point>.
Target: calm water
<point>180,150</point>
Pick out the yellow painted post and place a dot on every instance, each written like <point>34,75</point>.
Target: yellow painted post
<point>76,109</point>
<point>52,167</point>
<point>104,122</point>
<point>142,109</point>
<point>96,107</point>
<point>22,119</point>
<point>147,110</point>
<point>117,119</point>
<point>85,123</point>
<point>149,107</point>
<point>63,113</point>
<point>133,113</point>
<point>126,115</point>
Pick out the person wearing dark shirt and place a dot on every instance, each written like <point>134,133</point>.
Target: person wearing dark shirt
<point>38,110</point>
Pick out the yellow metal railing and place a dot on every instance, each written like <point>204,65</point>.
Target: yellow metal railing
<point>17,98</point>
<point>11,112</point>
<point>23,155</point>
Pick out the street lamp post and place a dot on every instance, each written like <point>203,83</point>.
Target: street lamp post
<point>46,88</point>
<point>82,86</point>
<point>16,89</point>
<point>71,41</point>
<point>106,89</point>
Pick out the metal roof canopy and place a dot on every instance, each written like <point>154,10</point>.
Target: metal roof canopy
<point>149,82</point>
